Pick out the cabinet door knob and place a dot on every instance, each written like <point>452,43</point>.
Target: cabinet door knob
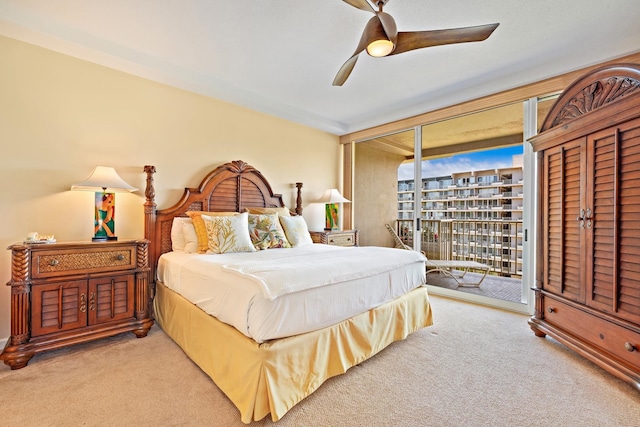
<point>92,301</point>
<point>83,303</point>
<point>580,219</point>
<point>629,347</point>
<point>551,309</point>
<point>54,262</point>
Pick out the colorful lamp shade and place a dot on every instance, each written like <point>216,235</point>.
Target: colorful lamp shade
<point>331,198</point>
<point>105,181</point>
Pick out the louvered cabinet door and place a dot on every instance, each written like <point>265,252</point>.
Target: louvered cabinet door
<point>111,298</point>
<point>59,307</point>
<point>613,283</point>
<point>563,198</point>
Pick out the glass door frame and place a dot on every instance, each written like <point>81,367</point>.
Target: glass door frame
<point>530,126</point>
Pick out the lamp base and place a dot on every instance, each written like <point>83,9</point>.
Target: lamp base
<point>105,217</point>
<point>104,238</point>
<point>332,217</point>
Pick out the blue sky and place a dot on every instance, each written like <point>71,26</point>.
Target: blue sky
<point>481,160</point>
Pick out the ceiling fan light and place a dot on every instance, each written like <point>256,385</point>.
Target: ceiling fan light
<point>380,48</point>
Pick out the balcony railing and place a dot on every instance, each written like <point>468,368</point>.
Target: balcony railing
<point>496,243</point>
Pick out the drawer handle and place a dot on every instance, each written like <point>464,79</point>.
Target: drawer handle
<point>629,347</point>
<point>551,310</point>
<point>120,257</point>
<point>54,262</point>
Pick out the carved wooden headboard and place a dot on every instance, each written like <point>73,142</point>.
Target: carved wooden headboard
<point>230,187</point>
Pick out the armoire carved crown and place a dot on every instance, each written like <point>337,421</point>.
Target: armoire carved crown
<point>585,95</point>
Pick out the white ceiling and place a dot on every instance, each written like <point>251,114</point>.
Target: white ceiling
<point>280,56</point>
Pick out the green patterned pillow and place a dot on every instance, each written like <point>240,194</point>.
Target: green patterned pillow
<point>264,232</point>
<point>228,233</point>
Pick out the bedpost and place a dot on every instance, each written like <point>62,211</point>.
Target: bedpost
<point>149,229</point>
<point>299,198</point>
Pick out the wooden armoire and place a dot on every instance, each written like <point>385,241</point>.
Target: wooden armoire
<point>587,291</point>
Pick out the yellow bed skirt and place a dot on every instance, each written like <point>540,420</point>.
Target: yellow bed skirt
<point>274,376</point>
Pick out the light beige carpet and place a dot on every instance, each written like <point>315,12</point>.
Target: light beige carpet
<point>476,366</point>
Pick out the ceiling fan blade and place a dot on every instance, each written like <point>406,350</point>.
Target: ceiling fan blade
<point>345,71</point>
<point>361,4</point>
<point>419,39</point>
<point>389,26</point>
<point>367,35</point>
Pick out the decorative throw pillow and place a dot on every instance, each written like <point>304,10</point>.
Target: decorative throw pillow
<point>264,232</point>
<point>201,231</point>
<point>296,230</point>
<point>228,233</point>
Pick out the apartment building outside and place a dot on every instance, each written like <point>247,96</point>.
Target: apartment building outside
<point>474,215</point>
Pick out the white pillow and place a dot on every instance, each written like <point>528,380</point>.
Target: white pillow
<point>190,237</point>
<point>295,227</point>
<point>177,234</point>
<point>228,233</point>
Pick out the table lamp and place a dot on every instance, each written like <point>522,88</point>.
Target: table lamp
<point>331,198</point>
<point>105,181</point>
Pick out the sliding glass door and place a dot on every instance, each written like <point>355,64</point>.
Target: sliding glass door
<point>458,189</point>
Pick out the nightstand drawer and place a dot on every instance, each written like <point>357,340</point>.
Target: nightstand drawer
<point>77,261</point>
<point>343,239</point>
<point>336,238</point>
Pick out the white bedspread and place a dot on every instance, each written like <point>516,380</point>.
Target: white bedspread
<point>300,272</point>
<point>240,302</point>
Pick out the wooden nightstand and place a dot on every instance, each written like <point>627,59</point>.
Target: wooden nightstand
<point>336,238</point>
<point>69,293</point>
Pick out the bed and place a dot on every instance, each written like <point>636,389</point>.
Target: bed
<point>276,344</point>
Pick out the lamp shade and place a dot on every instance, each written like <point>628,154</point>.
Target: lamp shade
<point>332,196</point>
<point>105,179</point>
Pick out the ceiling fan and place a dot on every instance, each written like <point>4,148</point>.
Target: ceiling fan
<point>382,38</point>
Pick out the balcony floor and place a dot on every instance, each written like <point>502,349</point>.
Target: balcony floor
<point>503,288</point>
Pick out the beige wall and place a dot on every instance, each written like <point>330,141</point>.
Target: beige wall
<point>60,117</point>
<point>375,197</point>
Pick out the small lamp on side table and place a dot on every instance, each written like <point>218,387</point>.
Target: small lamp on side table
<point>331,198</point>
<point>105,181</point>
